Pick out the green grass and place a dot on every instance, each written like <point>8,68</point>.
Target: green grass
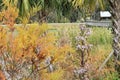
<point>100,37</point>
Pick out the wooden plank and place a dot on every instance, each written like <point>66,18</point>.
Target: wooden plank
<point>106,60</point>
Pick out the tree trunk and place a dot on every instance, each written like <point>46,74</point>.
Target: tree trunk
<point>115,7</point>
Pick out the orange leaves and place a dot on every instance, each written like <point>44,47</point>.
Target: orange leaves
<point>2,77</point>
<point>9,16</point>
<point>30,46</point>
<point>47,46</point>
<point>28,40</point>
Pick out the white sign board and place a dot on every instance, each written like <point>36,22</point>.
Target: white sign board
<point>105,14</point>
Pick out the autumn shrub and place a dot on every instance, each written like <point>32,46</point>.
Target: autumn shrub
<point>30,52</point>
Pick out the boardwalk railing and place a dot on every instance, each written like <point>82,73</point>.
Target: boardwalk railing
<point>90,23</point>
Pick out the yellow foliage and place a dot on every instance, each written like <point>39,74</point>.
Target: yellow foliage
<point>9,15</point>
<point>78,2</point>
<point>56,75</point>
<point>3,39</point>
<point>27,39</point>
<point>1,16</point>
<point>62,52</point>
<point>34,43</point>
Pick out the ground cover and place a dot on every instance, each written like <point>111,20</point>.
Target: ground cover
<point>37,43</point>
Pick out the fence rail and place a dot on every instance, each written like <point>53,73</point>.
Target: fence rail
<point>90,23</point>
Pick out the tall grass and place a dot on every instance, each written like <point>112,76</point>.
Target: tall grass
<point>100,36</point>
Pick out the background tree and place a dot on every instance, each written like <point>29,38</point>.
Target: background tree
<point>45,10</point>
<point>115,8</point>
